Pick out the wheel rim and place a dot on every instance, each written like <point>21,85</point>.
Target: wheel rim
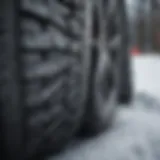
<point>108,52</point>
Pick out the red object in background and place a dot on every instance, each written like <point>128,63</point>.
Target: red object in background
<point>135,51</point>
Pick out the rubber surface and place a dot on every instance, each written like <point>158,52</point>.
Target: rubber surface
<point>41,75</point>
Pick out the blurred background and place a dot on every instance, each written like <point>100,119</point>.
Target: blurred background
<point>144,22</point>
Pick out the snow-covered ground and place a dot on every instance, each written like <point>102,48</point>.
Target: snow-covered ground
<point>135,134</point>
<point>146,73</point>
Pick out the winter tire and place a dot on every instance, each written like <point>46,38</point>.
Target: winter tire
<point>41,75</point>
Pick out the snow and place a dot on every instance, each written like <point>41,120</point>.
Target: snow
<point>146,73</point>
<point>134,136</point>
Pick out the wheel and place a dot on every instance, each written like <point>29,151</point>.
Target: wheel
<point>107,49</point>
<point>41,75</point>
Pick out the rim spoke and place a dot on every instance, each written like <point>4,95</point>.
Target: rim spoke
<point>114,43</point>
<point>113,36</point>
<point>113,29</point>
<point>110,8</point>
<point>107,39</point>
<point>112,18</point>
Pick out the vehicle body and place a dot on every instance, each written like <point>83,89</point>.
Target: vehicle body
<point>63,71</point>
